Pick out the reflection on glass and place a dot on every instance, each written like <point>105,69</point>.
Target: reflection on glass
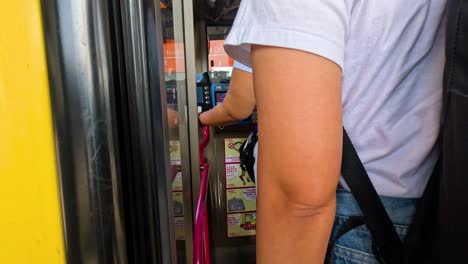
<point>234,214</point>
<point>174,69</point>
<point>219,62</point>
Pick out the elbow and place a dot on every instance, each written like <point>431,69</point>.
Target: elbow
<point>315,202</point>
<point>306,211</point>
<point>306,194</point>
<point>298,207</point>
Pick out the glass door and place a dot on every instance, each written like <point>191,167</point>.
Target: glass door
<point>175,87</point>
<point>159,188</point>
<point>154,70</point>
<point>119,95</point>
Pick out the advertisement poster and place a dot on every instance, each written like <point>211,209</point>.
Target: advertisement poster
<point>235,178</point>
<point>174,146</point>
<point>179,228</point>
<point>231,149</point>
<point>241,224</point>
<point>178,200</point>
<point>177,183</point>
<point>177,195</point>
<point>241,196</point>
<point>241,200</point>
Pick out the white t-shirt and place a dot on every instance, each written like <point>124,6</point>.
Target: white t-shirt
<point>242,67</point>
<point>392,57</point>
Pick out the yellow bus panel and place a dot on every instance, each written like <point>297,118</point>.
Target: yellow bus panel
<point>30,215</point>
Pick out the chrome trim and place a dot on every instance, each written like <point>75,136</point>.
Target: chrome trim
<point>153,239</point>
<point>177,8</point>
<point>203,46</point>
<point>190,64</point>
<point>77,38</point>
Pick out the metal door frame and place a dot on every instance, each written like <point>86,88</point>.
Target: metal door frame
<point>90,45</point>
<point>142,34</point>
<point>79,63</point>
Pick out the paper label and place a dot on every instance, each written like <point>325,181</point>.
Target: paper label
<point>177,183</point>
<point>178,201</point>
<point>179,228</point>
<point>174,146</point>
<point>231,149</point>
<point>241,224</point>
<point>235,178</point>
<point>241,200</point>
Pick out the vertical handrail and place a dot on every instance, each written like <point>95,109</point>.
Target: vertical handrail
<point>203,144</point>
<point>201,245</point>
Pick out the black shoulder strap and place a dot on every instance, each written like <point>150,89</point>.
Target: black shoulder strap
<point>388,247</point>
<point>247,159</point>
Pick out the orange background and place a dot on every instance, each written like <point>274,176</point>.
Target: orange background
<point>174,56</point>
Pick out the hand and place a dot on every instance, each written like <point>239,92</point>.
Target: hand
<point>238,104</point>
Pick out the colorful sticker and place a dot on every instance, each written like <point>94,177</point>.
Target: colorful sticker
<point>177,183</point>
<point>178,200</point>
<point>236,178</point>
<point>179,228</point>
<point>231,149</point>
<point>241,224</point>
<point>241,200</point>
<point>174,146</point>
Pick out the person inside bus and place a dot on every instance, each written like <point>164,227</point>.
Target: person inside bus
<point>374,67</point>
<point>239,102</point>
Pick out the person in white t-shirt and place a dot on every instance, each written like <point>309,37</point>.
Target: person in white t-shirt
<point>374,67</point>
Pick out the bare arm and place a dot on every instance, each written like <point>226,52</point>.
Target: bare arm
<point>300,133</point>
<point>238,103</point>
<point>172,118</point>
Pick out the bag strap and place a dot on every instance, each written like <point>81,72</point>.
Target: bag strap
<point>247,159</point>
<point>387,245</point>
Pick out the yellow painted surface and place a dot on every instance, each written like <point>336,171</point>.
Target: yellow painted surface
<point>30,218</point>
